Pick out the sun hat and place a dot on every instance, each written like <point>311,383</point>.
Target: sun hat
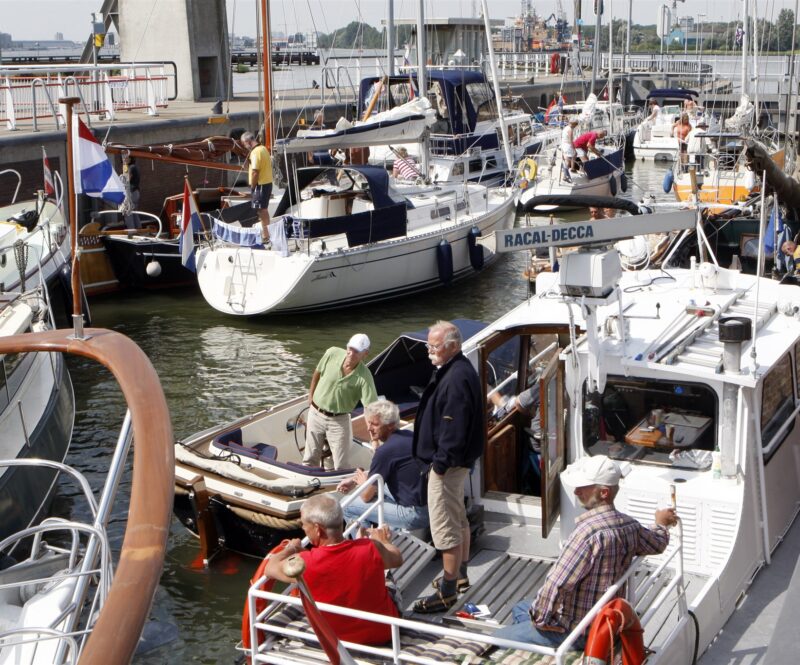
<point>595,470</point>
<point>359,342</point>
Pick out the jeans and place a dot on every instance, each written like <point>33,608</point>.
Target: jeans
<point>395,515</point>
<point>523,630</point>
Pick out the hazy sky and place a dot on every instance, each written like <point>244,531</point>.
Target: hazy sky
<point>41,19</point>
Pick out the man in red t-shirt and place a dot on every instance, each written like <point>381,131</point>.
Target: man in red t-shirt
<point>585,143</point>
<point>348,573</point>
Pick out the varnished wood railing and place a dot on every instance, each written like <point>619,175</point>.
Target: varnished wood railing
<point>116,633</point>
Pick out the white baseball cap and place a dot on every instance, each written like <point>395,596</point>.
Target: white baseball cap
<point>595,470</point>
<point>359,342</point>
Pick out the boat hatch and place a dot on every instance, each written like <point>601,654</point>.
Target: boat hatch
<point>671,423</point>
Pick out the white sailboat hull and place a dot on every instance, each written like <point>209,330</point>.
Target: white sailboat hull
<point>247,281</point>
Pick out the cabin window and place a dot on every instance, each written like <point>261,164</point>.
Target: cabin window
<point>475,165</point>
<point>440,212</point>
<point>482,100</point>
<point>15,367</point>
<point>525,131</point>
<point>661,422</point>
<point>777,402</point>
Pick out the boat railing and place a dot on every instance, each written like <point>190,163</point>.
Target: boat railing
<point>19,182</point>
<point>263,634</point>
<point>115,633</point>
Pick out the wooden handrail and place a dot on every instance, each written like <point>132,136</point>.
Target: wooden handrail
<point>116,633</point>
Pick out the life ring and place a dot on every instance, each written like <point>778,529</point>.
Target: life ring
<point>527,171</point>
<point>261,603</point>
<point>617,618</point>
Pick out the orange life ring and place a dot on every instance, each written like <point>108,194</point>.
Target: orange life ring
<point>261,603</point>
<point>616,618</point>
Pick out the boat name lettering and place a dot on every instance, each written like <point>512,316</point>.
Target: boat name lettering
<point>548,235</point>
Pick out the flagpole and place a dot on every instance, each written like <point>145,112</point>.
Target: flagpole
<point>77,313</point>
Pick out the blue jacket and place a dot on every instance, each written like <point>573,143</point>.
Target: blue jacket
<point>448,428</point>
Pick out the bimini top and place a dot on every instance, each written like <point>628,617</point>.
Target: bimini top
<point>453,82</point>
<point>672,93</point>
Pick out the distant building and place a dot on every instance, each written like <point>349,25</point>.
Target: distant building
<point>59,37</point>
<point>5,40</point>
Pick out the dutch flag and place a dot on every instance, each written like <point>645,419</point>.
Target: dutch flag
<point>93,174</point>
<point>190,220</point>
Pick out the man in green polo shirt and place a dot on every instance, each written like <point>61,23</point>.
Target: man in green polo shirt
<point>340,381</point>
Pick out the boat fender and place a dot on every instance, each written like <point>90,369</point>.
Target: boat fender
<point>261,603</point>
<point>475,250</point>
<point>526,172</point>
<point>623,182</point>
<point>669,178</point>
<point>749,179</point>
<point>153,268</point>
<point>612,185</point>
<point>617,618</point>
<point>444,260</point>
<point>65,278</point>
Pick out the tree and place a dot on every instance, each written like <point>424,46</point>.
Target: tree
<point>783,31</point>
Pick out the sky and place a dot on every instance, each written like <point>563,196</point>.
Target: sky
<point>41,19</point>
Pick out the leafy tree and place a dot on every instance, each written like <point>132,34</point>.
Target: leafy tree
<point>783,31</point>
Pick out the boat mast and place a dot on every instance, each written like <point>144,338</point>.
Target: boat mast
<point>390,37</point>
<point>755,66</point>
<point>598,8</point>
<point>611,66</point>
<point>745,28</point>
<point>266,71</point>
<point>422,79</point>
<point>496,84</point>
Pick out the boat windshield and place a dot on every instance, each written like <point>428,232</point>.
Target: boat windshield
<point>661,422</point>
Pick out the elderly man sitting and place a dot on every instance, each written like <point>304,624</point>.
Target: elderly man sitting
<point>405,489</point>
<point>596,554</point>
<point>348,573</point>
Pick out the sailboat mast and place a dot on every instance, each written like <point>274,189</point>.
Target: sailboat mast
<point>745,29</point>
<point>422,78</point>
<point>266,70</point>
<point>496,83</point>
<point>390,37</point>
<point>598,8</point>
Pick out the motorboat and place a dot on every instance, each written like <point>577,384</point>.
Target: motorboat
<point>241,484</point>
<point>686,379</point>
<point>653,139</point>
<point>34,241</point>
<point>352,238</point>
<point>37,413</point>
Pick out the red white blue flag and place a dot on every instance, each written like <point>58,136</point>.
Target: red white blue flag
<point>190,219</point>
<point>49,184</point>
<point>93,174</point>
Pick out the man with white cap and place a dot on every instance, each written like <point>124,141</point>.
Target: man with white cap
<point>596,554</point>
<point>340,381</point>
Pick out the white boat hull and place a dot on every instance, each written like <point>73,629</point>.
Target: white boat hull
<point>247,282</point>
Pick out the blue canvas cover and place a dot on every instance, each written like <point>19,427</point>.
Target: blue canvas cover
<point>597,168</point>
<point>672,93</point>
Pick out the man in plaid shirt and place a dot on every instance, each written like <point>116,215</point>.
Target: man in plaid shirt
<point>596,555</point>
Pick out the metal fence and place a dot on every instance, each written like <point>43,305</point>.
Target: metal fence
<point>31,93</point>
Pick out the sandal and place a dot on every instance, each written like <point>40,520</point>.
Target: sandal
<point>434,603</point>
<point>462,584</point>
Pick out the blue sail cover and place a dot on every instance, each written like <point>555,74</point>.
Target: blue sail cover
<point>672,93</point>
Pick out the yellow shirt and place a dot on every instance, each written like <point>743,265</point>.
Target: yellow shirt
<point>261,161</point>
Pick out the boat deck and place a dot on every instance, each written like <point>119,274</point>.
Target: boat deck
<point>508,564</point>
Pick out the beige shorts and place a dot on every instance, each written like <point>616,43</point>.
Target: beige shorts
<point>446,507</point>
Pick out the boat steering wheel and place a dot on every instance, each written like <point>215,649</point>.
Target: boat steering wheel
<point>298,422</point>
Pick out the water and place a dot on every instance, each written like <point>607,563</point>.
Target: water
<point>214,368</point>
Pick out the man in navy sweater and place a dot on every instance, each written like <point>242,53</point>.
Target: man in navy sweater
<point>448,437</point>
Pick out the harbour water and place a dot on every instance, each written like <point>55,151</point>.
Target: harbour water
<point>214,368</point>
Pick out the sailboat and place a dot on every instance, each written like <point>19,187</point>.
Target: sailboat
<point>346,235</point>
